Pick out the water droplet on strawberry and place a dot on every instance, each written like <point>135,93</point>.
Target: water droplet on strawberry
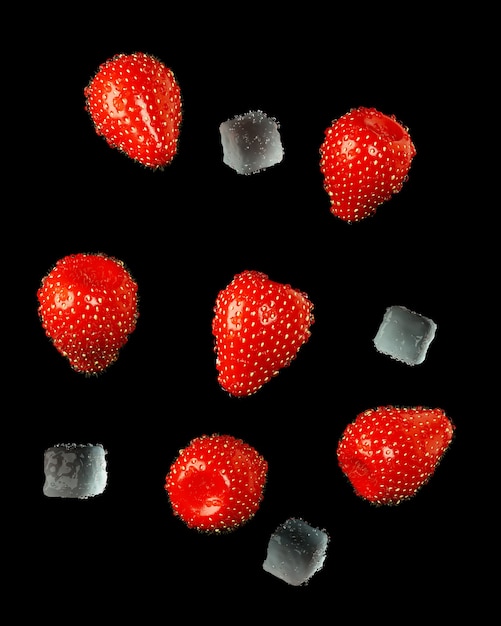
<point>267,315</point>
<point>213,503</point>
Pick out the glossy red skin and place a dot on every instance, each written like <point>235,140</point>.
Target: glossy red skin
<point>216,484</point>
<point>366,156</point>
<point>389,453</point>
<point>88,307</point>
<point>259,325</point>
<point>134,101</point>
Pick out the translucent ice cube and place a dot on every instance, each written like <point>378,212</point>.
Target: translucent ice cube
<point>405,335</point>
<point>74,471</point>
<point>251,142</point>
<point>296,551</point>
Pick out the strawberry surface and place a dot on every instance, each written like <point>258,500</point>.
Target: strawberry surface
<point>88,306</point>
<point>365,159</point>
<point>259,326</point>
<point>134,101</point>
<point>389,453</point>
<point>216,483</point>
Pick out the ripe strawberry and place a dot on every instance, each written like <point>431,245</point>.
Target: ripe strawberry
<point>134,102</point>
<point>259,326</point>
<point>216,483</point>
<point>388,453</point>
<point>88,307</point>
<point>365,159</point>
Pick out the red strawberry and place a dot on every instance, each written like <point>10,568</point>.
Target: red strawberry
<point>88,307</point>
<point>365,159</point>
<point>388,453</point>
<point>134,101</point>
<point>259,326</point>
<point>216,483</point>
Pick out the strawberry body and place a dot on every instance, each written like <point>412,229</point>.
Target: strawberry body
<point>365,159</point>
<point>88,306</point>
<point>216,483</point>
<point>259,325</point>
<point>134,101</point>
<point>389,453</point>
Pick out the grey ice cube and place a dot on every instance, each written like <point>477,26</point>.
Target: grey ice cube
<point>296,551</point>
<point>251,142</point>
<point>405,335</point>
<point>74,471</point>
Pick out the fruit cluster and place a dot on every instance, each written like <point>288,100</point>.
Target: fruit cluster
<point>89,307</point>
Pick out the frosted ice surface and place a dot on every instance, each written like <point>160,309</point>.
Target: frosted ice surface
<point>296,551</point>
<point>405,335</point>
<point>74,471</point>
<point>251,142</point>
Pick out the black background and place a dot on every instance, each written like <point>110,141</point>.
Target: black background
<point>184,233</point>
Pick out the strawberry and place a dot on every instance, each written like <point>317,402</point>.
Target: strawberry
<point>216,483</point>
<point>88,307</point>
<point>365,159</point>
<point>389,453</point>
<point>134,102</point>
<point>259,325</point>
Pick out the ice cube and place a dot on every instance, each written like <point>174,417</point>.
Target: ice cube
<point>296,551</point>
<point>74,471</point>
<point>405,335</point>
<point>251,142</point>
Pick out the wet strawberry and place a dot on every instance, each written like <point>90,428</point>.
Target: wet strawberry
<point>365,159</point>
<point>389,453</point>
<point>134,102</point>
<point>216,483</point>
<point>259,326</point>
<point>88,307</point>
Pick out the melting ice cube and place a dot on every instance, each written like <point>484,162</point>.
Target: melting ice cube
<point>405,335</point>
<point>296,551</point>
<point>74,471</point>
<point>251,142</point>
